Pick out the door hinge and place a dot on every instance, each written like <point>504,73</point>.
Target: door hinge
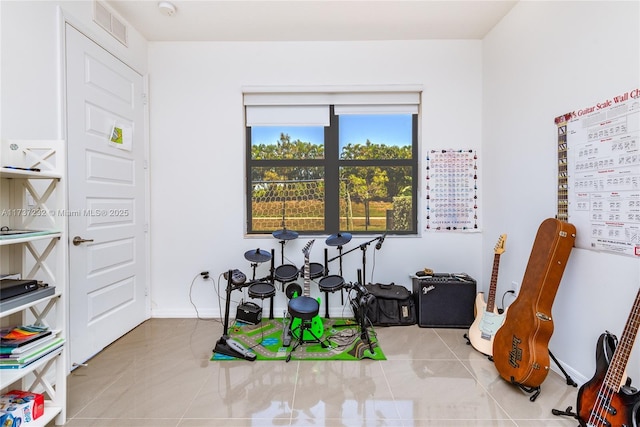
<point>145,98</point>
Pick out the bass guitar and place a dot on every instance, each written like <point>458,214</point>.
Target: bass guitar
<point>488,320</point>
<point>607,399</point>
<point>521,345</point>
<point>317,329</point>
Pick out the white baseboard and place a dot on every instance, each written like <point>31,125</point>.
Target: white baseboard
<point>575,375</point>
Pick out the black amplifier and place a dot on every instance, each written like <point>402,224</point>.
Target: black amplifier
<point>444,300</point>
<point>249,312</point>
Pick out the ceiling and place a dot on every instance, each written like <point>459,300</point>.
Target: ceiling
<point>313,20</point>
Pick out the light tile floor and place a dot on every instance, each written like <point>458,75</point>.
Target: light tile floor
<point>160,375</point>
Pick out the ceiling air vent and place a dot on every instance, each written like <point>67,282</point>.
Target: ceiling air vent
<point>103,17</point>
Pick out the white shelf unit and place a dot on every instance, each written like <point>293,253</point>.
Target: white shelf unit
<point>33,199</point>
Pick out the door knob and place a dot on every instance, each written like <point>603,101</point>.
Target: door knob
<point>77,240</point>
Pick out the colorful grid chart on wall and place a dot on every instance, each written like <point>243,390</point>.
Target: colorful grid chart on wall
<point>452,190</point>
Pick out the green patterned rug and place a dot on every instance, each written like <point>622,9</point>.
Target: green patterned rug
<point>343,335</point>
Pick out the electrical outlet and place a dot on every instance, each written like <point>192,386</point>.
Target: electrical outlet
<point>514,287</point>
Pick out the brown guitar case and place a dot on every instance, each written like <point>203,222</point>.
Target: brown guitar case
<point>520,347</point>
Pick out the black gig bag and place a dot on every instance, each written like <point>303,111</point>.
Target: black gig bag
<point>393,306</point>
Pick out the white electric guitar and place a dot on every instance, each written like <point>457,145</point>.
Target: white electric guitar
<point>488,320</point>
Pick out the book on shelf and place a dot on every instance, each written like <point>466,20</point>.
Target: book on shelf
<point>15,234</point>
<point>36,353</point>
<point>12,351</point>
<point>18,336</point>
<point>32,356</point>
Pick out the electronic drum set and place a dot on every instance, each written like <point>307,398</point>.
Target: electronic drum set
<point>287,274</point>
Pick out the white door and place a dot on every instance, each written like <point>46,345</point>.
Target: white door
<point>107,272</point>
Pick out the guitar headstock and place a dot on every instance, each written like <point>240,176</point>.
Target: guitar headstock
<point>307,248</point>
<point>499,249</point>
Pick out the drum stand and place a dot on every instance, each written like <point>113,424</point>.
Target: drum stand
<point>270,278</point>
<point>326,270</point>
<point>282,243</point>
<point>256,258</point>
<point>282,235</point>
<point>339,257</point>
<point>253,268</point>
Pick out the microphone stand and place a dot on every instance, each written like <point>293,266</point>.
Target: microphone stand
<point>363,248</point>
<point>361,317</point>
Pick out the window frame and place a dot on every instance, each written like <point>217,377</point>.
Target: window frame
<point>331,163</point>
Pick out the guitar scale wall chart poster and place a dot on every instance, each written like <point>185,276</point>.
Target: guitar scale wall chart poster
<point>452,190</point>
<point>603,173</point>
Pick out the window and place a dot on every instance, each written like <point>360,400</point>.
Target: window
<point>321,169</point>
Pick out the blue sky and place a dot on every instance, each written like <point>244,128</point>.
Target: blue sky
<point>379,129</point>
<point>271,134</point>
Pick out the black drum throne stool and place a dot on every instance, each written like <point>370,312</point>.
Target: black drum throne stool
<point>304,312</point>
<point>305,309</point>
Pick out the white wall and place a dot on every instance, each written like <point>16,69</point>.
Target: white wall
<point>31,74</point>
<point>198,151</point>
<point>543,60</point>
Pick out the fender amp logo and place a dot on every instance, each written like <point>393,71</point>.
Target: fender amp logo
<point>515,354</point>
<point>427,289</point>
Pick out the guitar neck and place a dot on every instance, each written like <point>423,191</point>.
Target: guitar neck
<point>306,290</point>
<point>491,298</point>
<point>613,379</point>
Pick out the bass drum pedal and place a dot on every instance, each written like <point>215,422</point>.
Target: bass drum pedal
<point>239,348</point>
<point>286,330</point>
